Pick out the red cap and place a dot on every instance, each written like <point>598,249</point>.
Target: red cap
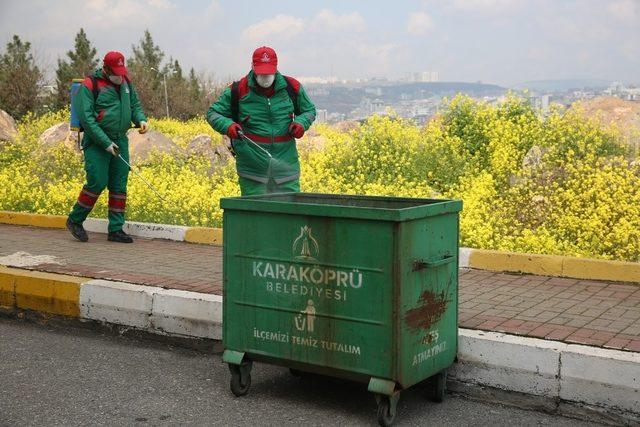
<point>265,60</point>
<point>115,61</point>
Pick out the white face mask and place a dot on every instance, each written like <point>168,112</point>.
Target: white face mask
<point>116,80</point>
<point>265,80</point>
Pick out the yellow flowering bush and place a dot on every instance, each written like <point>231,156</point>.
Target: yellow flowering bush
<point>182,132</point>
<point>553,184</point>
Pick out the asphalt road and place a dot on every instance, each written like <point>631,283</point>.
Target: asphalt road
<point>69,376</point>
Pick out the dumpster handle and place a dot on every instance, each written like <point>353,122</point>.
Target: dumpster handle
<point>421,264</point>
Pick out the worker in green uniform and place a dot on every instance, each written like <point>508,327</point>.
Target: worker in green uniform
<point>107,104</point>
<point>272,110</point>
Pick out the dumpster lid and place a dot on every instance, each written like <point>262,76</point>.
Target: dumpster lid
<point>346,206</point>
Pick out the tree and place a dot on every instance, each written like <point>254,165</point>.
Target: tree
<point>82,61</point>
<point>147,54</point>
<point>195,87</point>
<point>187,96</point>
<point>20,79</point>
<point>145,71</point>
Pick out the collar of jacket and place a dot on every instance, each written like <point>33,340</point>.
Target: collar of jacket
<point>99,74</point>
<point>279,83</point>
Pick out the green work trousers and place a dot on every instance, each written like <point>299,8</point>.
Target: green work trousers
<point>104,171</point>
<point>249,187</point>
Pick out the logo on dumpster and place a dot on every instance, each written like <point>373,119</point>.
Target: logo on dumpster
<point>306,318</point>
<point>305,246</point>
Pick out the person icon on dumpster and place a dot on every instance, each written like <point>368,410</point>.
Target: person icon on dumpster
<point>263,113</point>
<point>106,103</point>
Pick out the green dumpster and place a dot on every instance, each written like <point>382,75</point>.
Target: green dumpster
<point>361,288</point>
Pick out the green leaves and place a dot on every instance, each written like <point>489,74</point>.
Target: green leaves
<point>20,79</point>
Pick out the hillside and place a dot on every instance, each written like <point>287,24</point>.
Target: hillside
<point>611,110</point>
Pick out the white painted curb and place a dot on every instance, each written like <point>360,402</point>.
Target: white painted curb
<point>612,381</point>
<point>508,362</point>
<point>140,229</point>
<point>464,254</point>
<point>187,313</point>
<point>117,302</point>
<point>609,379</point>
<point>153,309</point>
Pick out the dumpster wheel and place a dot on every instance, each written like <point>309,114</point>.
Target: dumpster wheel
<point>385,417</point>
<point>439,386</point>
<point>239,385</point>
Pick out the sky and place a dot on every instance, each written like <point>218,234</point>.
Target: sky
<point>504,42</point>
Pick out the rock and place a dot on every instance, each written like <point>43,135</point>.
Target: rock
<point>533,158</point>
<point>203,146</point>
<point>8,129</point>
<point>141,146</point>
<point>58,134</point>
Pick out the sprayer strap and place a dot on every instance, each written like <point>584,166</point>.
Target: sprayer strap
<point>94,87</point>
<point>235,102</point>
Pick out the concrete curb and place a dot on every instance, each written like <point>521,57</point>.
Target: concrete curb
<point>483,259</point>
<point>152,309</point>
<point>554,265</point>
<point>43,292</point>
<point>602,378</point>
<point>608,380</point>
<point>141,229</point>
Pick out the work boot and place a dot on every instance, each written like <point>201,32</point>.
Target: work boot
<point>119,236</point>
<point>77,230</point>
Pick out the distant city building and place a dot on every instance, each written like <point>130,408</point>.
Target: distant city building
<point>317,80</point>
<point>540,102</point>
<point>322,116</point>
<point>373,91</point>
<point>619,90</point>
<point>423,77</point>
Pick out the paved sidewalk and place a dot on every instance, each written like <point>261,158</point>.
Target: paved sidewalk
<point>598,313</point>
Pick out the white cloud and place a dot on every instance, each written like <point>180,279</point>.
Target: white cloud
<point>117,11</point>
<point>627,11</point>
<point>631,51</point>
<point>483,5</point>
<point>327,20</point>
<point>419,23</point>
<point>161,4</point>
<point>379,58</point>
<point>280,26</point>
<point>214,9</point>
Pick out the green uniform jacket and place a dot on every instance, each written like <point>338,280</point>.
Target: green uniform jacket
<point>109,118</point>
<point>266,121</point>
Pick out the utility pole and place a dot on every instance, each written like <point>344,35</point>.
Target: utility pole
<point>164,82</point>
<point>166,96</point>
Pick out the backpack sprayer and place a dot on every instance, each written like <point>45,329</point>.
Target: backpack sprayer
<point>75,125</point>
<point>74,120</point>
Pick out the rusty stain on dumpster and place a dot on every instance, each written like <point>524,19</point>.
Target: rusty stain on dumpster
<point>432,307</point>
